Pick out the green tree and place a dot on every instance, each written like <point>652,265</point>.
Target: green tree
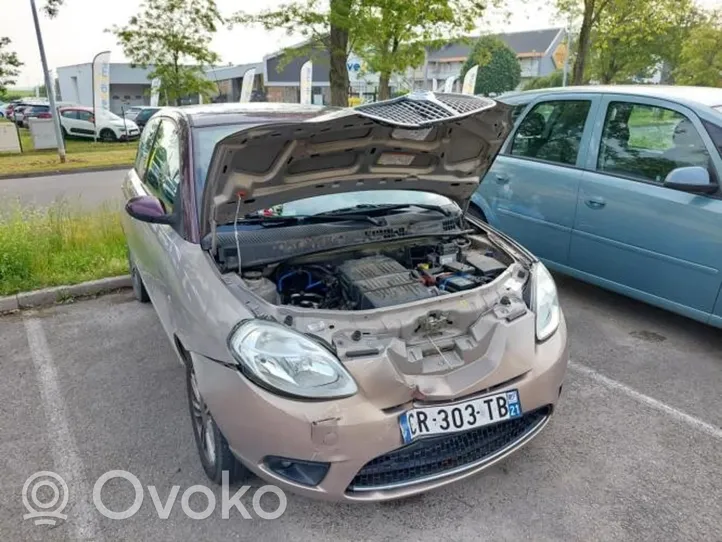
<point>173,38</point>
<point>389,35</point>
<point>554,79</point>
<point>51,7</point>
<point>700,59</point>
<point>392,35</point>
<point>9,65</point>
<point>589,11</point>
<point>631,39</point>
<point>499,69</point>
<point>327,26</point>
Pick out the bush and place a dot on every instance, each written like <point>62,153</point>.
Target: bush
<point>555,79</point>
<point>59,245</point>
<point>499,69</point>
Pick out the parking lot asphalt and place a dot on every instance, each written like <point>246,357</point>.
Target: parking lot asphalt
<point>633,453</point>
<point>88,190</point>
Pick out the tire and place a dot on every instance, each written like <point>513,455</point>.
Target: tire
<point>106,134</point>
<point>139,291</point>
<point>213,449</point>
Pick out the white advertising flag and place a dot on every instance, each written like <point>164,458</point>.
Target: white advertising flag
<point>434,85</point>
<point>101,82</point>
<point>449,83</point>
<point>247,86</point>
<point>470,80</point>
<point>306,82</point>
<point>154,88</point>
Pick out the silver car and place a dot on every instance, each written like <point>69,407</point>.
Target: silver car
<point>346,331</point>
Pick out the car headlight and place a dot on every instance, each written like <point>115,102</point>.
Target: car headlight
<point>545,302</point>
<point>284,360</point>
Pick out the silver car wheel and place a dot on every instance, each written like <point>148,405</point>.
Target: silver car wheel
<point>203,423</point>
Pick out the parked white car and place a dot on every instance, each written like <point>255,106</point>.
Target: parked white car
<point>81,122</point>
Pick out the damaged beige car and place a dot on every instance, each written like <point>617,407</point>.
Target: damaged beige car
<point>347,332</point>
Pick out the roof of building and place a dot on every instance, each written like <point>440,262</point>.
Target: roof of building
<point>221,73</point>
<point>531,41</point>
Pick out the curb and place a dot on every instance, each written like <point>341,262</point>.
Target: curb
<point>50,296</point>
<point>52,172</point>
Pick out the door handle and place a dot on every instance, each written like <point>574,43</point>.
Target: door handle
<point>502,178</point>
<point>595,203</point>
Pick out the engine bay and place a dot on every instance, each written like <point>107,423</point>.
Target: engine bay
<point>375,278</point>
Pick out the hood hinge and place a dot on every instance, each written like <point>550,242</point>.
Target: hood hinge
<point>214,239</point>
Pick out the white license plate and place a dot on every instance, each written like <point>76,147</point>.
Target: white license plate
<point>421,422</point>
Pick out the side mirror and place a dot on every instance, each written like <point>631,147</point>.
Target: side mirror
<point>690,179</point>
<point>148,209</point>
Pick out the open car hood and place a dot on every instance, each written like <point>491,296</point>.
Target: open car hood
<point>441,143</point>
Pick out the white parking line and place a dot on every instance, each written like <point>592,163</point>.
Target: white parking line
<point>649,401</point>
<point>63,448</point>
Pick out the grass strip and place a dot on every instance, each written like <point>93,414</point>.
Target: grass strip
<point>58,245</point>
<point>80,153</point>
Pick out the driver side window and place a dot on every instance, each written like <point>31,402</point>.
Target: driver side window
<point>552,131</point>
<point>163,174</point>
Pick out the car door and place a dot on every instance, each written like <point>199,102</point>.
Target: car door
<point>69,121</point>
<point>158,173</point>
<point>530,192</point>
<point>85,125</point>
<point>635,235</point>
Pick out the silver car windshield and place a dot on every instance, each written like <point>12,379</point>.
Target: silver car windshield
<point>205,140</point>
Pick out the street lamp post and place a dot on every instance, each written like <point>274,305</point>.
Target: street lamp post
<point>49,86</point>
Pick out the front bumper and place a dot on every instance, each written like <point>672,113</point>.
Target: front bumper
<point>356,438</point>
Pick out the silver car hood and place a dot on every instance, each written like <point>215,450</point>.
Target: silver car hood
<point>441,143</point>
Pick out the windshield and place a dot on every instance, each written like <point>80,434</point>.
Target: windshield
<point>205,139</point>
<point>110,115</point>
<point>718,108</point>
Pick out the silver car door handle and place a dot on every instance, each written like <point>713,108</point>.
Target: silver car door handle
<point>502,178</point>
<point>595,203</point>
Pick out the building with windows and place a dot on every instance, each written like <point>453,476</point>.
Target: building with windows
<point>229,80</point>
<point>540,53</point>
<point>282,77</point>
<point>130,85</point>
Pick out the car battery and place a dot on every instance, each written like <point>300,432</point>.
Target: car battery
<point>457,283</point>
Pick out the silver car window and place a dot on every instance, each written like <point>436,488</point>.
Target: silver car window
<point>646,142</point>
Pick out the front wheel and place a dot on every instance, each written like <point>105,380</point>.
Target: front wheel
<point>215,454</point>
<point>106,134</point>
<point>139,291</point>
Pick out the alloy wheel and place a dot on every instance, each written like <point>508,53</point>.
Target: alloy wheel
<point>203,423</point>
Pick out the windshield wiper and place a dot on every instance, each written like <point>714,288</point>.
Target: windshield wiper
<point>271,221</point>
<point>377,209</point>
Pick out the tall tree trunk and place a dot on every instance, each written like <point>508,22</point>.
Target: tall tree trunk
<point>583,45</point>
<point>338,74</point>
<point>176,69</point>
<point>384,88</point>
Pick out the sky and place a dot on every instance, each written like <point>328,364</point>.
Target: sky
<point>78,32</point>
